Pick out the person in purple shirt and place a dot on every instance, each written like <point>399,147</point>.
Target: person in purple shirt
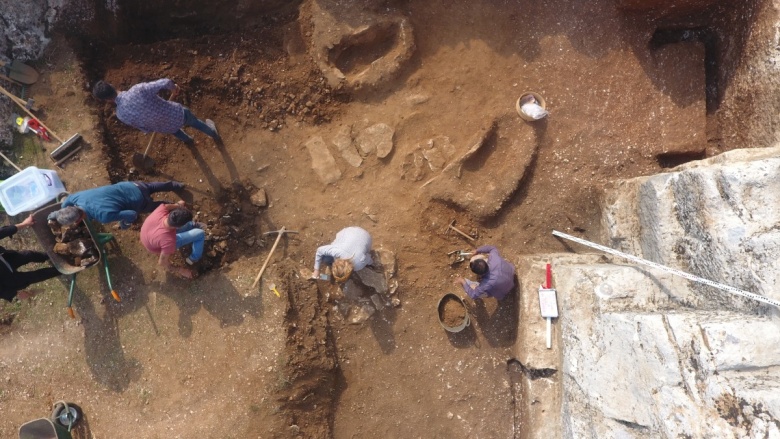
<point>143,108</point>
<point>496,275</point>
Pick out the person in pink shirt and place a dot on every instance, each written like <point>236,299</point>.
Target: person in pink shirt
<point>169,228</point>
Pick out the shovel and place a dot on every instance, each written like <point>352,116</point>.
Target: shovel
<point>19,72</point>
<point>142,161</point>
<point>548,304</point>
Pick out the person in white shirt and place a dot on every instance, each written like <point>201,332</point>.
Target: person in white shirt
<point>350,251</point>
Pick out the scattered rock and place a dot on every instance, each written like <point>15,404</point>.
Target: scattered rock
<point>379,302</point>
<point>352,290</point>
<point>259,198</point>
<point>417,99</point>
<point>376,138</point>
<point>437,151</point>
<point>344,143</point>
<point>374,279</point>
<point>386,259</point>
<point>370,216</point>
<point>413,166</point>
<point>322,161</point>
<point>359,314</point>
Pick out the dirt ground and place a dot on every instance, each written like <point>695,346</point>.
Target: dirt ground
<point>213,358</point>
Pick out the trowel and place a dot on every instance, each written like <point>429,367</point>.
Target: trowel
<point>548,304</point>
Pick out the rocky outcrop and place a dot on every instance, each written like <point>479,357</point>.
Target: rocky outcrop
<point>639,352</point>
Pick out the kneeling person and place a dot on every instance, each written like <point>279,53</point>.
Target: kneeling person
<point>169,228</point>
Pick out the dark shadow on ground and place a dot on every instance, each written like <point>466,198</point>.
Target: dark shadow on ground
<point>231,166</point>
<point>381,324</point>
<point>463,339</point>
<point>221,300</point>
<point>206,170</point>
<point>499,327</point>
<point>102,346</point>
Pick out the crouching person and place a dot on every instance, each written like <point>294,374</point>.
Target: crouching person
<point>117,202</point>
<point>169,228</point>
<point>350,251</point>
<point>496,275</point>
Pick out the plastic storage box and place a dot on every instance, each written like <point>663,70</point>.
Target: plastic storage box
<point>29,190</point>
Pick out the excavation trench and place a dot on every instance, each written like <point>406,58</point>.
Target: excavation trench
<point>243,81</point>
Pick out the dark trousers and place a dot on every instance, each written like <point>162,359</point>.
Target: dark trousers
<point>11,282</point>
<point>147,189</point>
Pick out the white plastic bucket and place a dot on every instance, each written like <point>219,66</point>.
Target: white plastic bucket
<point>29,190</point>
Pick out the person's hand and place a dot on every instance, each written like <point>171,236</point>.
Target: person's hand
<point>28,222</point>
<point>315,274</point>
<point>175,92</point>
<point>181,203</point>
<point>185,273</point>
<point>459,281</point>
<point>25,294</point>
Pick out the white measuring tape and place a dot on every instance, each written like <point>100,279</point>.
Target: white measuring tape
<point>676,272</point>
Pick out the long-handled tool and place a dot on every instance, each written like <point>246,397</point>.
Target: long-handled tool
<point>451,226</point>
<point>65,149</point>
<point>142,161</point>
<point>548,304</point>
<point>19,72</point>
<point>10,162</point>
<point>280,232</point>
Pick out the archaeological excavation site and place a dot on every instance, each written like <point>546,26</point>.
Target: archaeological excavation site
<point>559,219</point>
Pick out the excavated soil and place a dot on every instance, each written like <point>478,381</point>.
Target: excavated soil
<point>213,358</point>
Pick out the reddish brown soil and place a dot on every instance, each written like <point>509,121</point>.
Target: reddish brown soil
<point>451,312</point>
<point>213,358</point>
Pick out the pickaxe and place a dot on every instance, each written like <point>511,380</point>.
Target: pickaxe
<point>280,232</point>
<point>451,226</point>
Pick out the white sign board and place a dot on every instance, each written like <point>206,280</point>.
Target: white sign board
<point>548,302</point>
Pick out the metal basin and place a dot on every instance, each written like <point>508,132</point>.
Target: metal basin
<point>47,241</point>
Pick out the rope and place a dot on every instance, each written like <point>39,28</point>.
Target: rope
<point>673,271</point>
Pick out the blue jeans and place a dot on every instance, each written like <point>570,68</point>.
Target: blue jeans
<point>149,188</point>
<point>191,121</point>
<point>189,234</point>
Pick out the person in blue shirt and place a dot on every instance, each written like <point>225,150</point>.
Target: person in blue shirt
<point>117,202</point>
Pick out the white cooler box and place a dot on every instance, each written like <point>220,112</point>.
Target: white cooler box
<point>30,189</point>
